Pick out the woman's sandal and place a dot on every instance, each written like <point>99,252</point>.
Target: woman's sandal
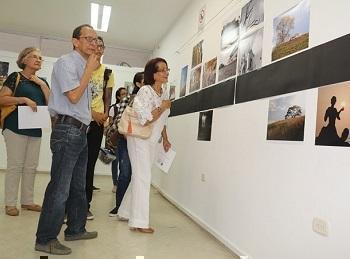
<point>32,207</point>
<point>143,230</point>
<point>11,211</point>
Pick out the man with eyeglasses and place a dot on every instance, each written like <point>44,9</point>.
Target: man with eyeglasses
<point>70,105</point>
<point>102,82</point>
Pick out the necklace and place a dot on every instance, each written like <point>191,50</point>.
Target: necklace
<point>159,93</point>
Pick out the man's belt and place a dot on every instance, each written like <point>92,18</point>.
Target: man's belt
<point>73,121</point>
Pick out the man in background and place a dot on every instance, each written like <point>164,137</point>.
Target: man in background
<point>102,83</point>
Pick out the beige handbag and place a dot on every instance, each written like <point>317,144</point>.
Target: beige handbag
<point>7,110</point>
<point>130,126</point>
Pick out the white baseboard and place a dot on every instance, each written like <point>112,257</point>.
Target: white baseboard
<point>204,225</point>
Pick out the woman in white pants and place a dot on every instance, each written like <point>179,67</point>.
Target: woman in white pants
<point>152,106</point>
<point>22,145</point>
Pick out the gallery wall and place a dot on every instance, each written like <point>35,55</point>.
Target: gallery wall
<point>122,75</point>
<point>258,196</point>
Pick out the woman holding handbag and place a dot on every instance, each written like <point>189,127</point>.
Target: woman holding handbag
<point>22,145</point>
<point>152,106</point>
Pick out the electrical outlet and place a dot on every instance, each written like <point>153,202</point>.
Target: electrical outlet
<point>203,177</point>
<point>320,226</point>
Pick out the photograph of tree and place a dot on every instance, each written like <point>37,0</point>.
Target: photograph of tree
<point>183,81</point>
<point>229,47</point>
<point>204,125</point>
<point>252,15</point>
<point>250,52</point>
<point>291,31</point>
<point>195,81</point>
<point>286,118</point>
<point>197,54</point>
<point>333,115</point>
<point>172,92</point>
<point>209,73</point>
<point>4,69</point>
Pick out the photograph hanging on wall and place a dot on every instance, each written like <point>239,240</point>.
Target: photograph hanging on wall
<point>197,54</point>
<point>229,47</point>
<point>209,73</point>
<point>286,120</point>
<point>250,52</point>
<point>251,16</point>
<point>195,81</point>
<point>204,125</point>
<point>4,70</point>
<point>129,87</point>
<point>172,92</point>
<point>183,81</point>
<point>291,31</point>
<point>333,115</point>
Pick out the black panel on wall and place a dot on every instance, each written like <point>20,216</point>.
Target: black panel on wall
<point>208,98</point>
<point>321,65</point>
<point>185,105</point>
<point>331,62</point>
<point>218,95</point>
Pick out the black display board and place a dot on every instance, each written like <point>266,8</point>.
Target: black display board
<point>208,98</point>
<point>325,64</point>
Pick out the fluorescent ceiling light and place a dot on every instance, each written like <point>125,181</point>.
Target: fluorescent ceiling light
<point>98,21</point>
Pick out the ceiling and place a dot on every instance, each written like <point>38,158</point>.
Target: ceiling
<point>134,24</point>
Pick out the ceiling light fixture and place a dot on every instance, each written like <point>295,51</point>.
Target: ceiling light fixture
<point>100,15</point>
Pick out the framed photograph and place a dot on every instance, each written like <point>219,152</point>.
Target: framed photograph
<point>197,54</point>
<point>229,47</point>
<point>204,125</point>
<point>183,81</point>
<point>172,92</point>
<point>250,52</point>
<point>209,73</point>
<point>291,31</point>
<point>195,81</point>
<point>333,115</point>
<point>286,120</point>
<point>251,16</point>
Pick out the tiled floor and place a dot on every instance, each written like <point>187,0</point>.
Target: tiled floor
<point>176,236</point>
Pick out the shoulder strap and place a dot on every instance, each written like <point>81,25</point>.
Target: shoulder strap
<point>16,84</point>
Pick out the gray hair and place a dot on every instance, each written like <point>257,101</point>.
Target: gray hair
<point>24,53</point>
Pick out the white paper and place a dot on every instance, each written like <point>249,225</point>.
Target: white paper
<point>165,159</point>
<point>27,119</point>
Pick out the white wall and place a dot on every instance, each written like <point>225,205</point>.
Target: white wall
<point>259,197</point>
<point>54,47</point>
<point>122,74</point>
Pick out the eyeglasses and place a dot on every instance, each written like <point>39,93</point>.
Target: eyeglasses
<point>90,39</point>
<point>164,70</point>
<point>36,57</point>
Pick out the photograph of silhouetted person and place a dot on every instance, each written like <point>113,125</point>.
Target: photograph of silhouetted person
<point>333,119</point>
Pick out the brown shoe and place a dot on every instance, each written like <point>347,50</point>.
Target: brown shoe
<point>33,207</point>
<point>11,211</point>
<point>143,230</point>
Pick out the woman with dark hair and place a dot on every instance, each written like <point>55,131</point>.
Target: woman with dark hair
<point>22,145</point>
<point>151,105</point>
<point>113,111</point>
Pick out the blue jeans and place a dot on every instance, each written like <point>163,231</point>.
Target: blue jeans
<point>115,164</point>
<point>66,189</point>
<point>124,170</point>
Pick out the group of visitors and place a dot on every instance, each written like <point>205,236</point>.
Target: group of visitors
<point>78,102</point>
